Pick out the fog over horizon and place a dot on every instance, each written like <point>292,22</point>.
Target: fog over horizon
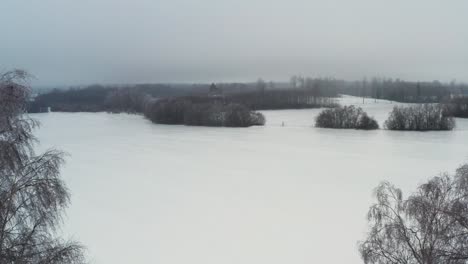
<point>116,41</point>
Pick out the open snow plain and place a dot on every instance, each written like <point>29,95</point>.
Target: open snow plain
<point>147,193</point>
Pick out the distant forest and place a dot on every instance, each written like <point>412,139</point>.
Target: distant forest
<point>405,91</point>
<point>256,96</point>
<point>299,92</point>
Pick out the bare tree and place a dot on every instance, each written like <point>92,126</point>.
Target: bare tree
<point>32,194</point>
<point>293,81</point>
<point>271,85</point>
<point>430,226</point>
<point>261,86</point>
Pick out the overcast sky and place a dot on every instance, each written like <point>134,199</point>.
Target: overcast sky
<point>69,42</point>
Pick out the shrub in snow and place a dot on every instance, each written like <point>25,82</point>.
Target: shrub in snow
<point>420,118</point>
<point>237,115</point>
<point>350,117</point>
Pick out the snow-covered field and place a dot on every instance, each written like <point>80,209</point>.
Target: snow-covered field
<point>146,193</point>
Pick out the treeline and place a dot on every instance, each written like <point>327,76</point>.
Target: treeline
<point>88,99</point>
<point>187,110</point>
<point>299,92</point>
<point>384,88</point>
<point>458,107</point>
<point>405,91</point>
<point>257,96</point>
<point>98,98</point>
<point>282,99</point>
<point>267,96</point>
<point>126,100</point>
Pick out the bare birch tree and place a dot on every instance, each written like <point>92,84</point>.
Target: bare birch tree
<point>429,227</point>
<point>32,194</point>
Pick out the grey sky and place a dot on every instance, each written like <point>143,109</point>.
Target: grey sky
<point>117,41</point>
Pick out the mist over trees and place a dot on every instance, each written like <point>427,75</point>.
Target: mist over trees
<point>32,194</point>
<point>347,117</point>
<point>422,117</point>
<point>430,226</point>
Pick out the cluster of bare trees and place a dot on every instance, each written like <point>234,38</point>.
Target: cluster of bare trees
<point>345,117</point>
<point>428,227</point>
<point>422,117</point>
<point>201,111</point>
<point>32,194</point>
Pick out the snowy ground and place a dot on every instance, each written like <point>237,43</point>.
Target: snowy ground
<point>146,193</point>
